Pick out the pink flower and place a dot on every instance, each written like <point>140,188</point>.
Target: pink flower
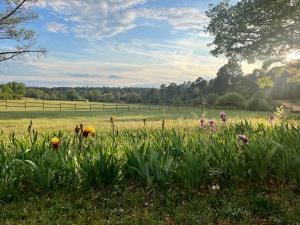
<point>223,116</point>
<point>243,138</point>
<point>211,123</point>
<point>202,123</point>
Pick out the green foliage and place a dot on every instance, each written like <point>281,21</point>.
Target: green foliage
<point>228,77</point>
<point>187,159</point>
<point>211,98</point>
<point>12,90</point>
<point>254,29</point>
<point>100,169</point>
<point>231,99</point>
<point>280,112</point>
<point>265,82</point>
<point>259,102</point>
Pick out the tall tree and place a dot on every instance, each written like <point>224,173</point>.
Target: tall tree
<point>255,29</point>
<point>227,77</point>
<point>13,14</point>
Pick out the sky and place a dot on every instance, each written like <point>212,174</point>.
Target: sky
<point>136,43</point>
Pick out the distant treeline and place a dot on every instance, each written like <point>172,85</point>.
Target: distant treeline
<point>230,87</point>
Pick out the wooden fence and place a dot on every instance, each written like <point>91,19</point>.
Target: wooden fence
<point>7,105</point>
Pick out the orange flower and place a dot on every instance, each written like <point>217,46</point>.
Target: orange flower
<point>55,143</point>
<point>88,131</point>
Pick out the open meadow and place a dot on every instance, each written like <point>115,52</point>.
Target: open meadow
<point>150,112</point>
<point>149,167</point>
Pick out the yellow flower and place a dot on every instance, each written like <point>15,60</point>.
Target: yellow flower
<point>89,130</point>
<point>55,143</point>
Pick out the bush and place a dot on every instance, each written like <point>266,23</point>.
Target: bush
<point>259,102</point>
<point>231,99</point>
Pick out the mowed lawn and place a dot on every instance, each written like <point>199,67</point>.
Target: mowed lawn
<point>132,201</point>
<point>16,119</point>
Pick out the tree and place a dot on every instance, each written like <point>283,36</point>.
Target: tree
<point>72,95</point>
<point>227,76</point>
<point>231,99</point>
<point>201,84</point>
<point>14,14</point>
<point>93,96</point>
<point>255,29</point>
<point>5,92</point>
<point>18,89</point>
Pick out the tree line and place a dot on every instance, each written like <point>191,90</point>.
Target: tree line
<point>231,87</point>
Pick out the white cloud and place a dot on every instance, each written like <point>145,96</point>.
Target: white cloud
<point>178,18</point>
<point>137,62</point>
<point>98,19</point>
<point>56,27</point>
<point>94,19</point>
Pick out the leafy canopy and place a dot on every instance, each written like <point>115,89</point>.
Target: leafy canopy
<point>255,29</point>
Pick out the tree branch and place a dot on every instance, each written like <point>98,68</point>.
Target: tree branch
<point>13,54</point>
<point>13,11</point>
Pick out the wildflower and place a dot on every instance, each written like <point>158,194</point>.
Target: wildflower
<point>223,116</point>
<point>243,138</point>
<point>202,123</point>
<point>211,123</point>
<point>77,129</point>
<point>215,187</point>
<point>112,121</point>
<point>55,143</point>
<point>88,131</point>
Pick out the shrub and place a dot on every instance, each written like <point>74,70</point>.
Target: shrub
<point>259,102</point>
<point>231,99</point>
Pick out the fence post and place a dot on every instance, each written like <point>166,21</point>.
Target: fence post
<point>25,105</point>
<point>6,104</point>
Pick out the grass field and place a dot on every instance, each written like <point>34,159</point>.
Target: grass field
<point>16,120</point>
<point>158,173</point>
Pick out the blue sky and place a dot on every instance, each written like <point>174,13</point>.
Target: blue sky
<point>118,43</point>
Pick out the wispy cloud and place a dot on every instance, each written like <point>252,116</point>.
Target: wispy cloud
<point>94,19</point>
<point>178,18</point>
<point>55,27</point>
<point>98,19</point>
<point>177,52</point>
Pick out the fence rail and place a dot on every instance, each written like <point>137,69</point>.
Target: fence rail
<point>7,105</point>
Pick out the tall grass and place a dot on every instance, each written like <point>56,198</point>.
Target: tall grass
<point>162,158</point>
